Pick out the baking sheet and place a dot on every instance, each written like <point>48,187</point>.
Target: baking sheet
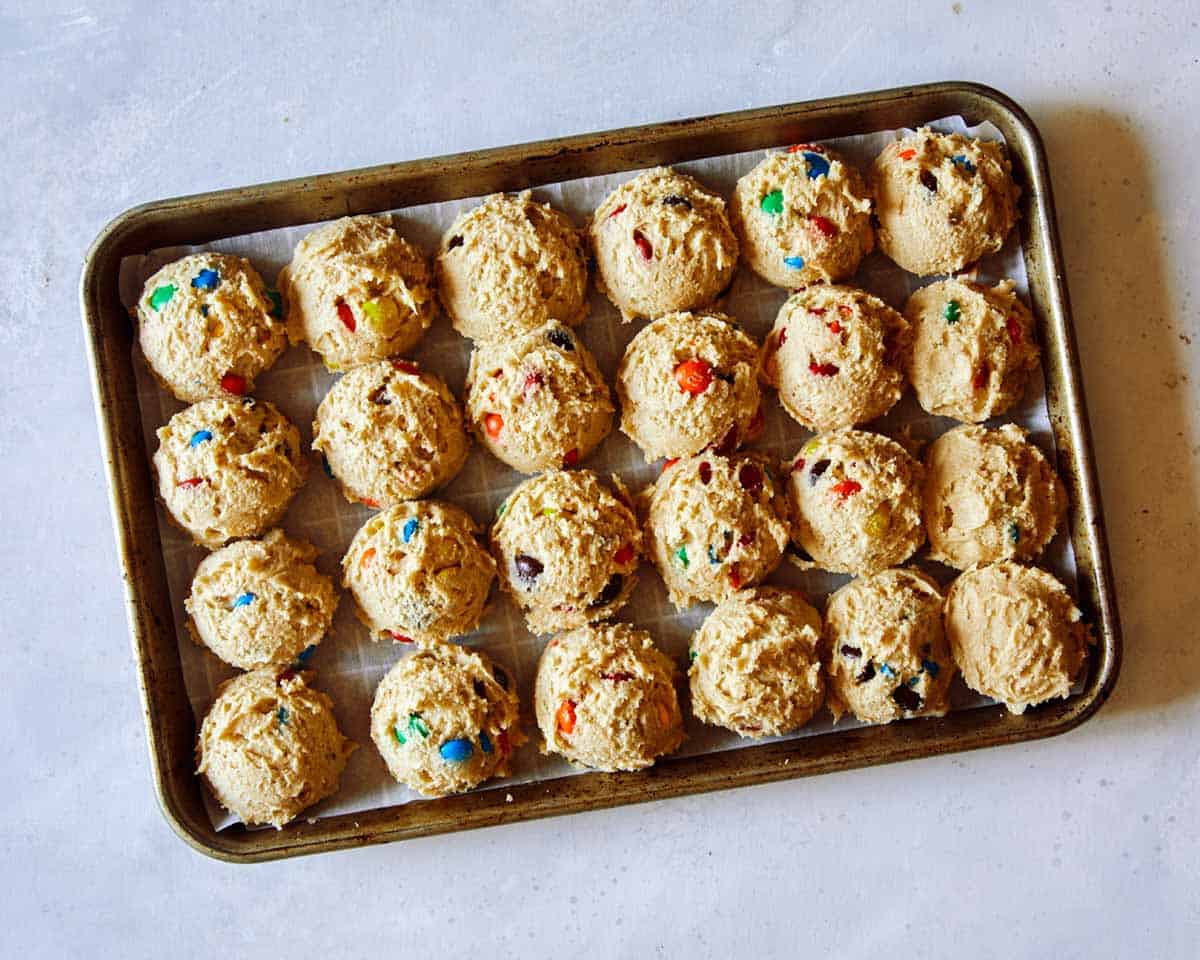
<point>348,664</point>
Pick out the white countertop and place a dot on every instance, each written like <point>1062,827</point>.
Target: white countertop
<point>1085,845</point>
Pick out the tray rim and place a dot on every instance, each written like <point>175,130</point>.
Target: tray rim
<point>338,193</point>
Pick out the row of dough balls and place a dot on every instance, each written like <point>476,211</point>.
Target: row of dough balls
<point>390,432</point>
<point>357,291</point>
<point>566,546</point>
<point>764,662</point>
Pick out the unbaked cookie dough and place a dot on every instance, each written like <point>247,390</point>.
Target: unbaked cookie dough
<point>803,216</point>
<point>445,719</point>
<point>567,549</point>
<point>836,355</point>
<point>228,468</point>
<point>688,381</point>
<point>207,326</point>
<point>1016,634</point>
<point>973,348</point>
<point>856,502</point>
<point>510,266</point>
<point>270,747</point>
<point>714,524</point>
<point>662,243</point>
<point>605,698</point>
<point>942,200</point>
<point>989,495</point>
<point>887,654</point>
<point>538,401</point>
<point>390,432</point>
<point>258,602</point>
<point>756,665</point>
<point>357,291</point>
<point>417,573</point>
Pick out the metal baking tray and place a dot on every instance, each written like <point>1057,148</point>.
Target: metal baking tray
<point>170,726</point>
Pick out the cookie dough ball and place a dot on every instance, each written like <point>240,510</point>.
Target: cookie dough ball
<point>888,658</point>
<point>510,266</point>
<point>228,468</point>
<point>1015,633</point>
<point>390,432</point>
<point>942,200</point>
<point>418,573</point>
<point>989,495</point>
<point>605,698</point>
<point>856,502</point>
<point>207,326</point>
<point>445,719</point>
<point>538,401</point>
<point>567,549</point>
<point>973,349</point>
<point>662,243</point>
<point>714,525</point>
<point>687,382</point>
<point>258,602</point>
<point>803,217</point>
<point>836,355</point>
<point>270,747</point>
<point>357,291</point>
<point>756,667</point>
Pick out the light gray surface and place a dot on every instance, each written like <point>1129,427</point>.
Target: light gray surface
<point>1084,845</point>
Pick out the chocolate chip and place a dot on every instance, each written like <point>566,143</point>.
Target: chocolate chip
<point>929,181</point>
<point>868,672</point>
<point>480,689</point>
<point>561,339</point>
<point>379,396</point>
<point>455,241</point>
<point>611,590</point>
<point>674,200</point>
<point>849,651</point>
<point>814,473</point>
<point>907,699</point>
<point>528,568</point>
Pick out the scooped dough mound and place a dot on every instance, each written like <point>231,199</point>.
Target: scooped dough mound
<point>445,719</point>
<point>228,468</point>
<point>756,666</point>
<point>270,747</point>
<point>258,602</point>
<point>605,698</point>
<point>208,327</point>
<point>510,266</point>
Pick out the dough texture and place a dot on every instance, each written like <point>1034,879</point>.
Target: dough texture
<point>445,719</point>
<point>662,243</point>
<point>803,217</point>
<point>1016,634</point>
<point>418,573</point>
<point>567,549</point>
<point>228,468</point>
<point>989,495</point>
<point>687,382</point>
<point>605,698</point>
<point>973,349</point>
<point>538,401</point>
<point>207,326</point>
<point>942,200</point>
<point>836,355</point>
<point>390,432</point>
<point>270,747</point>
<point>887,654</point>
<point>856,502</point>
<point>756,666</point>
<point>714,525</point>
<point>259,602</point>
<point>357,291</point>
<point>510,266</point>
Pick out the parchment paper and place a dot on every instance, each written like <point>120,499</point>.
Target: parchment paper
<point>348,664</point>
